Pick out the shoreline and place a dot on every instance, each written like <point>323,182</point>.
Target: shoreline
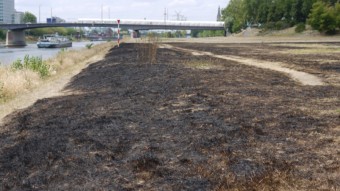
<point>43,88</point>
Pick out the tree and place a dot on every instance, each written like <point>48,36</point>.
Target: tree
<point>324,17</point>
<point>280,14</point>
<point>337,11</point>
<point>29,18</point>
<point>2,34</point>
<point>235,15</point>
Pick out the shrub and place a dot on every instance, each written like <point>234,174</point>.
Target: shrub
<point>17,65</point>
<point>2,35</point>
<point>324,17</point>
<point>89,46</point>
<point>1,90</point>
<point>280,25</point>
<point>300,27</point>
<point>337,11</point>
<point>35,64</point>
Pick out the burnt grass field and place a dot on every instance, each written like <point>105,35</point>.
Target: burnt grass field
<point>183,123</point>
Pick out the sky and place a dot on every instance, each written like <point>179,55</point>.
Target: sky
<point>71,10</point>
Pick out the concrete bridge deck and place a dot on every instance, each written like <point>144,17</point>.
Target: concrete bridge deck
<point>16,34</point>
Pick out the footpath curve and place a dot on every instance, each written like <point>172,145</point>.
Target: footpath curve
<point>301,77</point>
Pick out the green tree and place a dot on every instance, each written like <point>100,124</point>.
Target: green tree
<point>324,17</point>
<point>337,11</point>
<point>2,34</point>
<point>314,20</point>
<point>235,15</point>
<point>29,18</point>
<point>280,14</point>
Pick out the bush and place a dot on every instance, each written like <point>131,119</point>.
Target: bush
<point>35,64</point>
<point>324,17</point>
<point>1,90</point>
<point>89,46</point>
<point>300,27</point>
<point>2,34</point>
<point>280,25</point>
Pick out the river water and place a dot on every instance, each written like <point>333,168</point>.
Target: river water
<point>9,55</point>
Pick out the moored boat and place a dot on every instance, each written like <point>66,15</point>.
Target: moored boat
<point>54,41</point>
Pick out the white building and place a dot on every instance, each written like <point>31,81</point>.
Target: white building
<point>18,17</point>
<point>7,11</point>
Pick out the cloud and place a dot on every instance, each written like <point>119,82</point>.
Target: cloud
<point>140,4</point>
<point>128,9</point>
<point>175,3</point>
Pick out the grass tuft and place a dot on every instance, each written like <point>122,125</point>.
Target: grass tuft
<point>35,64</point>
<point>89,46</point>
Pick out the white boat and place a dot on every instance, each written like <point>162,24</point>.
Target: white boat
<point>54,41</point>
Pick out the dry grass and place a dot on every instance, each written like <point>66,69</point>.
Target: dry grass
<point>147,49</point>
<point>17,82</point>
<point>203,65</point>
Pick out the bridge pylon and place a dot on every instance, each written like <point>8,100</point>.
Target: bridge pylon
<point>15,38</point>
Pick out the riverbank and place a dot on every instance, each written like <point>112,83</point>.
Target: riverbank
<point>190,121</point>
<point>21,88</point>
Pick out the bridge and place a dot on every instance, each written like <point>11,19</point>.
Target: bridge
<point>16,32</point>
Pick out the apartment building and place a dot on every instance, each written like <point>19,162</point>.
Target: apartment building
<point>7,11</point>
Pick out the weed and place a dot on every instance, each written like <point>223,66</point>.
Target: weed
<point>35,64</point>
<point>147,49</point>
<point>89,46</point>
<point>300,27</point>
<point>1,90</point>
<point>17,65</point>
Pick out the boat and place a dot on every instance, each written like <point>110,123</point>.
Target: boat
<point>54,41</point>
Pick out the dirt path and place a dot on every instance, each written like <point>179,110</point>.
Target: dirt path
<point>301,77</point>
<point>49,89</point>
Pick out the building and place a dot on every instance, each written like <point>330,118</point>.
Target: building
<point>55,20</point>
<point>7,11</point>
<point>18,17</point>
<point>219,16</point>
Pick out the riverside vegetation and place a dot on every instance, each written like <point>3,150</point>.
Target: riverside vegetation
<point>322,15</point>
<point>25,75</point>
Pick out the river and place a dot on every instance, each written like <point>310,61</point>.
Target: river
<point>9,55</point>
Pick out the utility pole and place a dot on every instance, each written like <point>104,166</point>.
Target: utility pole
<point>165,14</point>
<point>39,12</point>
<point>102,13</point>
<point>109,13</point>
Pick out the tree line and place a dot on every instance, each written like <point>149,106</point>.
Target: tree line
<point>323,15</point>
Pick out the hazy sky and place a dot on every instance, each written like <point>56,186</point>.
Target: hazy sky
<point>70,10</point>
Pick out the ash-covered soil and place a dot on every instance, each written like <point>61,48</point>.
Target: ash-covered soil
<point>308,57</point>
<point>175,125</point>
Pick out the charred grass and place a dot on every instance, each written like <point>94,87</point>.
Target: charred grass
<point>174,126</point>
<point>321,59</point>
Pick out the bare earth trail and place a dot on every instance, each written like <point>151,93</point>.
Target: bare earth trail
<point>184,123</point>
<point>302,77</point>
